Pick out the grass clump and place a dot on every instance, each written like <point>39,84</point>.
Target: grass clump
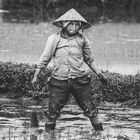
<point>16,79</point>
<point>16,82</point>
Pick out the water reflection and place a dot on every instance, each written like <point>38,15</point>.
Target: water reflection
<point>118,121</point>
<point>52,135</point>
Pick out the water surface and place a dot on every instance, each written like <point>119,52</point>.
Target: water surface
<point>119,123</point>
<point>115,47</point>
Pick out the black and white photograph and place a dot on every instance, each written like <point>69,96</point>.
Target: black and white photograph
<point>69,70</point>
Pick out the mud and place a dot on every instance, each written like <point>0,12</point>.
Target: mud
<point>120,123</point>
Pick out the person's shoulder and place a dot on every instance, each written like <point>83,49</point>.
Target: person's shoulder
<point>83,36</point>
<point>53,36</point>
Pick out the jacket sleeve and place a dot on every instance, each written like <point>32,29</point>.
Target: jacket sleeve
<point>48,52</point>
<point>88,58</point>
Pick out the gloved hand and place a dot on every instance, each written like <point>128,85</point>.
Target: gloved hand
<point>103,78</point>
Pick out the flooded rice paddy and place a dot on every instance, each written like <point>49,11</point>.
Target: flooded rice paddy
<point>120,123</point>
<point>115,47</point>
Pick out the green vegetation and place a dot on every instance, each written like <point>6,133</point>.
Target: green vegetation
<point>120,88</point>
<point>16,82</point>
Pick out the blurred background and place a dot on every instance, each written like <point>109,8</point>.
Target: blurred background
<point>115,33</point>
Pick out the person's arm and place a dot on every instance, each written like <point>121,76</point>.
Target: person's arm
<point>94,68</point>
<point>45,58</point>
<point>88,58</point>
<point>37,72</point>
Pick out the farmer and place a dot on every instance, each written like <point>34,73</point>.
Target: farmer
<point>73,63</point>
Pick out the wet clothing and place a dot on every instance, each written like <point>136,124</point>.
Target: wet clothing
<point>60,91</point>
<point>71,74</point>
<point>71,56</point>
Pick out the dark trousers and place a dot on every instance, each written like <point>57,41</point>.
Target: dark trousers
<point>60,91</point>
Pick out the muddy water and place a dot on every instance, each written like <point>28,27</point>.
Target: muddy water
<point>120,123</point>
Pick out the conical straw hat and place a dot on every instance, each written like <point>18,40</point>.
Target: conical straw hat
<point>71,15</point>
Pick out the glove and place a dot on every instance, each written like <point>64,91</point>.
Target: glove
<point>103,79</point>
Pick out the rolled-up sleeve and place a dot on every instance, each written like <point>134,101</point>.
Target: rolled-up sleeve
<point>48,52</point>
<point>88,57</point>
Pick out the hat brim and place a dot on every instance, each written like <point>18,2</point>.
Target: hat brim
<point>85,25</point>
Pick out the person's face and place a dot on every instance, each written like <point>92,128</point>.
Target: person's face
<point>73,27</point>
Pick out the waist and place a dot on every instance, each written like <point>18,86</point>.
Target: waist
<point>69,75</point>
<point>81,79</point>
